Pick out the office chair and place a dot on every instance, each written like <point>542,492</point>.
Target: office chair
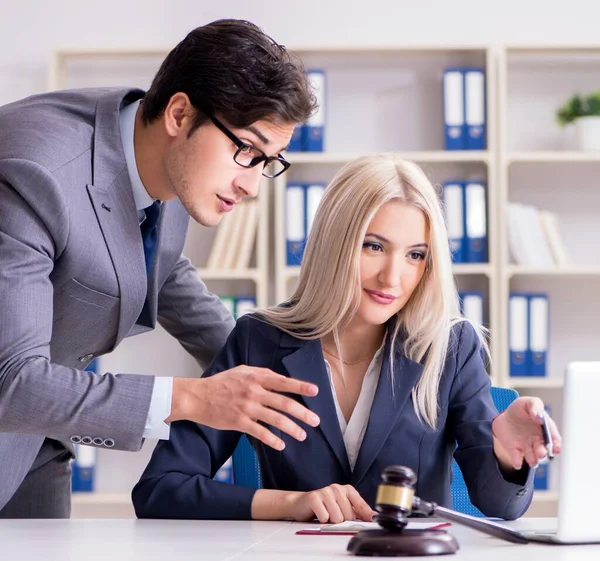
<point>246,469</point>
<point>502,398</point>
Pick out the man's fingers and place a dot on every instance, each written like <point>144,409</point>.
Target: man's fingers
<point>283,423</point>
<point>279,383</point>
<point>264,435</point>
<point>291,407</point>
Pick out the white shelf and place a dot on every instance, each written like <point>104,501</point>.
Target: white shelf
<point>101,498</point>
<point>434,156</point>
<point>545,496</point>
<point>516,270</point>
<point>223,274</point>
<point>534,382</point>
<point>558,156</point>
<point>472,269</point>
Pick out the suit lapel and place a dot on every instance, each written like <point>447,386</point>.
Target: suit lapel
<point>392,395</point>
<point>307,363</point>
<point>113,201</point>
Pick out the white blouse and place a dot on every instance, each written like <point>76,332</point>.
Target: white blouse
<point>354,430</point>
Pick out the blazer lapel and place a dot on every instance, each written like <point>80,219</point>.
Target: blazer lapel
<point>307,363</point>
<point>112,197</point>
<point>392,395</point>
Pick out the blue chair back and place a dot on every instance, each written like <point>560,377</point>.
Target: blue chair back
<point>461,502</point>
<point>246,468</point>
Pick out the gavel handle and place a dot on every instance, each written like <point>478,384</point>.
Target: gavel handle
<point>491,528</point>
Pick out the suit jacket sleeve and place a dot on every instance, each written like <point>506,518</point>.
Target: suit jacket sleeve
<point>38,396</point>
<point>177,482</point>
<point>470,415</point>
<point>193,315</point>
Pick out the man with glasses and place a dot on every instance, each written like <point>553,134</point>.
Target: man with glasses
<point>96,190</point>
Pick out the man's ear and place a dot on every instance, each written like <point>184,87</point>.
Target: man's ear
<point>179,114</point>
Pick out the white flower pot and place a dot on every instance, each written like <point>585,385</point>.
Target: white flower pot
<point>588,133</point>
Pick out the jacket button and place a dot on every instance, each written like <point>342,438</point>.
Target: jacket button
<point>98,441</point>
<point>75,439</point>
<point>521,492</point>
<point>86,440</point>
<point>109,442</point>
<point>86,358</point>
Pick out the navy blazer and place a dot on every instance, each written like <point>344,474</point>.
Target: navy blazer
<point>177,481</point>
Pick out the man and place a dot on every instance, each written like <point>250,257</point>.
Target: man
<point>96,189</point>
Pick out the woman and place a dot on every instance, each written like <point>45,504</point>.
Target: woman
<point>375,324</point>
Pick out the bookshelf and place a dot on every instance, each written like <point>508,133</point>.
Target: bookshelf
<point>363,88</point>
<point>527,159</point>
<point>540,164</point>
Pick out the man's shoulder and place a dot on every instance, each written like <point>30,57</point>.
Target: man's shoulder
<point>53,128</point>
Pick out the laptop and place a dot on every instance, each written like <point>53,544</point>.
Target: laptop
<point>578,489</point>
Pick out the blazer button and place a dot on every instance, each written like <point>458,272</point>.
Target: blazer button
<point>109,442</point>
<point>86,440</point>
<point>75,439</point>
<point>86,358</point>
<point>98,441</point>
<point>521,492</point>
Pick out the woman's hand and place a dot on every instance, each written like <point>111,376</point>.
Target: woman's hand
<point>518,433</point>
<point>335,504</point>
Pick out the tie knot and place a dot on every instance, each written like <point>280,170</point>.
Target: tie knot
<point>152,214</point>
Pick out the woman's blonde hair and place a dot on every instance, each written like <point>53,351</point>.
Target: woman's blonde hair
<point>328,293</point>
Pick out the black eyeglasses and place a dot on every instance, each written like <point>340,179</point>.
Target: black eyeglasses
<point>249,156</point>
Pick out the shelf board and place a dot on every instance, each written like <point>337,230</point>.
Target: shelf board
<point>516,270</point>
<point>545,496</point>
<point>472,269</point>
<point>424,156</point>
<point>95,498</point>
<point>224,274</point>
<point>535,382</point>
<point>291,272</point>
<point>559,156</point>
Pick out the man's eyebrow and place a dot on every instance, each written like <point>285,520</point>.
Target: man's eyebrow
<point>260,135</point>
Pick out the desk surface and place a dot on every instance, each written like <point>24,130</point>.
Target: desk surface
<point>180,540</point>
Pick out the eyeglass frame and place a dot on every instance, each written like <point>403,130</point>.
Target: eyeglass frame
<point>241,145</point>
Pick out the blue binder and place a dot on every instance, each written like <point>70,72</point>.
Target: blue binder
<point>243,305</point>
<point>454,109</point>
<point>471,306</point>
<point>518,333</point>
<point>475,108</point>
<point>538,334</point>
<point>314,128</point>
<point>454,210</point>
<point>295,222</point>
<point>476,230</point>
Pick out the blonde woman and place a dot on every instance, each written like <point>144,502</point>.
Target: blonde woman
<point>375,325</point>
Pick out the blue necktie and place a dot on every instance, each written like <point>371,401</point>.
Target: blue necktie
<point>149,229</point>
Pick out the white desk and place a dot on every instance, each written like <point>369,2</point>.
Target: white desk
<point>178,540</point>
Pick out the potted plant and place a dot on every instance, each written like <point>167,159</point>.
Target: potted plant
<point>584,112</point>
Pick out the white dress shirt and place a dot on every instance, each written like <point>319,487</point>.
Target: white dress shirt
<point>354,430</point>
<point>162,392</point>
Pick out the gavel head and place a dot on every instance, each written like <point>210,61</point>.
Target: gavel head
<point>395,497</point>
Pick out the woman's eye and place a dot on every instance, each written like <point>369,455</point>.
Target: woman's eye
<point>417,256</point>
<point>246,149</point>
<point>372,246</point>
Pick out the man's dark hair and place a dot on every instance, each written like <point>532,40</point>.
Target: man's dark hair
<point>231,68</point>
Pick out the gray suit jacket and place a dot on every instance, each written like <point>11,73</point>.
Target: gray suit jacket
<point>73,280</point>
